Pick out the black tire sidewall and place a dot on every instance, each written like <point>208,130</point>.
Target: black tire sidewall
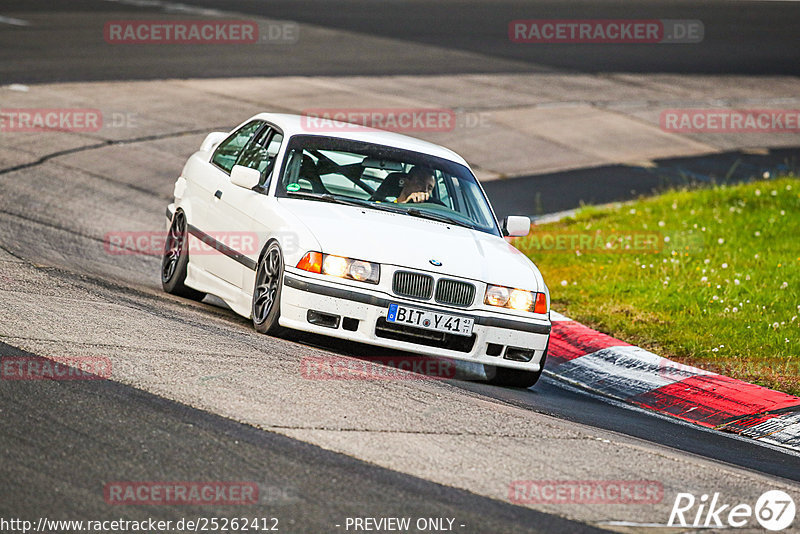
<point>175,283</point>
<point>270,324</point>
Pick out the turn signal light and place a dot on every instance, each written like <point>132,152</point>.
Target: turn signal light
<point>541,303</point>
<point>311,262</point>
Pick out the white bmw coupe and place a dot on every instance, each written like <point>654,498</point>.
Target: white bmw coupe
<point>359,234</point>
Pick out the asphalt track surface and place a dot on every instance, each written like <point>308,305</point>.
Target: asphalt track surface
<point>61,448</point>
<point>66,44</point>
<point>61,441</point>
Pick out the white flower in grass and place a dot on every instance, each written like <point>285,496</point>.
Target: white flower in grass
<point>735,309</point>
<point>666,239</point>
<point>724,265</point>
<point>720,241</point>
<point>564,282</point>
<point>788,187</point>
<point>758,192</point>
<point>661,223</point>
<point>757,234</point>
<point>736,281</point>
<point>715,349</point>
<point>706,261</point>
<point>773,193</point>
<point>704,279</point>
<point>765,175</point>
<point>784,285</point>
<point>775,325</point>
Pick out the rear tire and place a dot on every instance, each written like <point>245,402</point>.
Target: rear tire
<point>266,309</point>
<point>514,378</point>
<point>175,260</point>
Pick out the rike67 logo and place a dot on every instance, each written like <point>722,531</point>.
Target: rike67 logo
<point>774,510</point>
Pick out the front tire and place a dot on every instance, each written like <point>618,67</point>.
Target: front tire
<point>176,258</point>
<point>266,309</point>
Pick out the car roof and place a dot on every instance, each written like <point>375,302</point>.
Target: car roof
<point>298,125</point>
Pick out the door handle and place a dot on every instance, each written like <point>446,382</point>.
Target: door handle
<point>218,194</point>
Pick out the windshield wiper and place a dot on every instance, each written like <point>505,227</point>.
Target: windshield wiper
<point>415,212</point>
<point>327,197</point>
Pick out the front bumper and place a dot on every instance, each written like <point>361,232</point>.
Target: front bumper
<point>367,309</point>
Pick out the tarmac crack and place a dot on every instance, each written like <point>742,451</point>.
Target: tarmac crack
<point>103,144</point>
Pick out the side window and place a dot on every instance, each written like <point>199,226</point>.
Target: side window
<point>260,154</point>
<point>274,145</point>
<point>441,190</point>
<point>228,151</point>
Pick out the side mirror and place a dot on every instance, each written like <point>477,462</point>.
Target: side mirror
<point>212,140</point>
<point>516,226</point>
<point>245,176</point>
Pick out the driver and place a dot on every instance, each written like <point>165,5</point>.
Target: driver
<point>417,186</point>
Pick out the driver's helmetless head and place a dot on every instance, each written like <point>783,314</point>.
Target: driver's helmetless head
<point>420,179</point>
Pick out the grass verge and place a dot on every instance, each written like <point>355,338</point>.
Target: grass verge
<point>707,277</point>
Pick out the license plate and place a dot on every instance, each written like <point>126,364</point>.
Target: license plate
<point>440,322</point>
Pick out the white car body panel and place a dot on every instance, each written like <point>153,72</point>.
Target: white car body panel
<point>395,241</point>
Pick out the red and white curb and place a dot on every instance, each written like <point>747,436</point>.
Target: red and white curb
<point>594,361</point>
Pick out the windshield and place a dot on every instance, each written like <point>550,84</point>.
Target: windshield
<point>382,177</point>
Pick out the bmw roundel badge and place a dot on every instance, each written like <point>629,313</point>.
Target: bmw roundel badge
<point>436,263</point>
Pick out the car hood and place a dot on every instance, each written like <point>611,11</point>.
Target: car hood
<point>412,242</point>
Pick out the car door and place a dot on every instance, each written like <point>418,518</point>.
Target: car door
<point>238,208</point>
<point>206,217</point>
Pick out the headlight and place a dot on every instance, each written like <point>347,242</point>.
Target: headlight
<point>515,299</point>
<point>362,271</point>
<point>334,266</point>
